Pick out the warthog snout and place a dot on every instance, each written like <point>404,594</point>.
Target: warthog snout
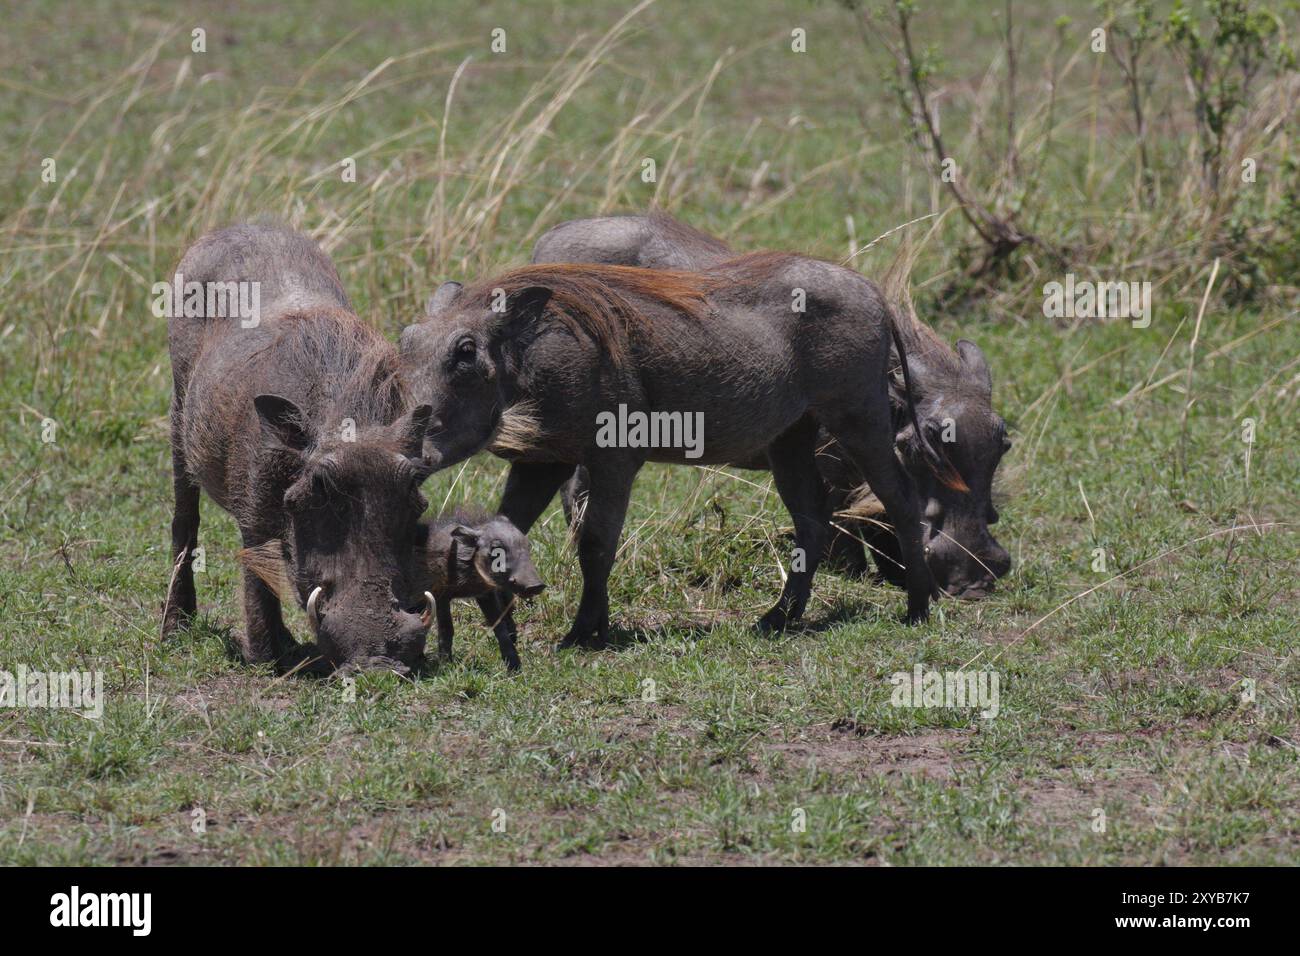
<point>527,583</point>
<point>349,632</point>
<point>964,572</point>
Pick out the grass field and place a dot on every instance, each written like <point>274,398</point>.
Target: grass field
<point>1148,711</point>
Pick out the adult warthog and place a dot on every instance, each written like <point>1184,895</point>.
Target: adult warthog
<point>294,421</point>
<point>954,392</point>
<point>528,364</point>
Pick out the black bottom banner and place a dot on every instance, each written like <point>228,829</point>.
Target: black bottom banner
<point>217,905</point>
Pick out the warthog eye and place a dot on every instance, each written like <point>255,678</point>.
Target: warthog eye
<point>465,350</point>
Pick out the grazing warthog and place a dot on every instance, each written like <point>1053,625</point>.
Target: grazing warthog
<point>953,395</point>
<point>296,424</point>
<point>568,345</point>
<point>459,556</point>
<point>472,556</point>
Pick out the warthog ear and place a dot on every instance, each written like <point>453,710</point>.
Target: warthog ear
<point>406,341</point>
<point>441,299</point>
<point>463,534</point>
<point>973,358</point>
<point>283,422</point>
<point>411,429</point>
<point>523,308</point>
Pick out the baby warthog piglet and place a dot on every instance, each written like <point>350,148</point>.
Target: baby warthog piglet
<point>482,557</point>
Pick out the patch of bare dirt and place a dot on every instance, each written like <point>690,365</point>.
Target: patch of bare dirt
<point>843,748</point>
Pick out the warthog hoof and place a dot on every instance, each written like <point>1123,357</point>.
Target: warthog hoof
<point>580,637</point>
<point>916,616</point>
<point>786,611</point>
<point>773,622</point>
<point>175,619</point>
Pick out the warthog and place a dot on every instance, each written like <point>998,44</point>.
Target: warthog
<point>567,345</point>
<point>656,241</point>
<point>297,427</point>
<point>953,396</point>
<point>473,556</point>
<point>459,556</point>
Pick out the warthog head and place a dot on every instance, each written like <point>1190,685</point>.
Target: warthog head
<point>502,556</point>
<point>350,554</point>
<point>955,410</point>
<point>461,355</point>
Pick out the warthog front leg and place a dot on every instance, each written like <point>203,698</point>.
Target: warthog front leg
<point>445,629</point>
<point>266,639</point>
<point>497,612</point>
<point>611,479</point>
<point>884,551</point>
<point>573,496</point>
<point>529,489</point>
<point>794,468</point>
<point>845,552</point>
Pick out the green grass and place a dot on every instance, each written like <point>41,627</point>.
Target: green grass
<point>1128,700</point>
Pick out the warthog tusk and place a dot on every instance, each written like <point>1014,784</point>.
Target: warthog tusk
<point>427,614</point>
<point>311,605</point>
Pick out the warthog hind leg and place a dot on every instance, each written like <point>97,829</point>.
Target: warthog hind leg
<point>868,436</point>
<point>181,599</point>
<point>794,468</point>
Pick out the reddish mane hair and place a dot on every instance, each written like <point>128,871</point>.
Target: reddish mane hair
<point>600,300</point>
